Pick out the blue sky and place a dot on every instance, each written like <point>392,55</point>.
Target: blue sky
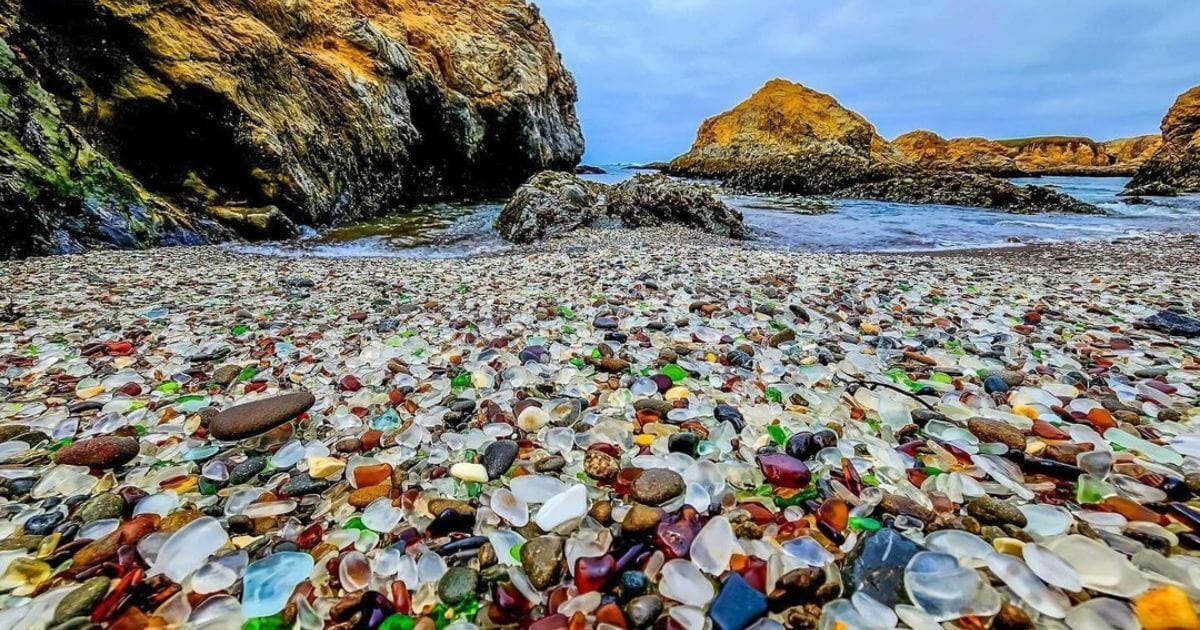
<point>649,71</point>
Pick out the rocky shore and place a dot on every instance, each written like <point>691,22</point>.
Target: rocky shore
<point>632,428</point>
<point>789,138</point>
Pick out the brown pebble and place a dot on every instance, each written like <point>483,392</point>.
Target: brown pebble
<point>997,431</point>
<point>363,497</point>
<point>640,519</point>
<point>106,451</point>
<point>254,418</point>
<point>600,465</point>
<point>899,504</point>
<point>602,512</point>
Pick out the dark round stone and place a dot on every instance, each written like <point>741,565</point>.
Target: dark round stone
<point>802,446</point>
<point>632,584</point>
<point>995,384</point>
<point>730,414</point>
<point>240,524</point>
<point>685,442</point>
<point>825,439</point>
<point>537,354</point>
<point>498,457</point>
<point>605,322</point>
<point>246,470</point>
<point>302,485</point>
<point>737,358</point>
<point>43,524</point>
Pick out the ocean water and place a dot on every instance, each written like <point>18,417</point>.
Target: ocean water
<point>447,230</point>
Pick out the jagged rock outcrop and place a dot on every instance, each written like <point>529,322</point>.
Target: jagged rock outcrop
<point>552,204</point>
<point>973,155</point>
<point>789,138</point>
<point>1176,164</point>
<point>968,189</point>
<point>319,111</point>
<point>1046,155</point>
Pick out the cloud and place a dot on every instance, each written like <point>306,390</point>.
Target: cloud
<point>649,71</point>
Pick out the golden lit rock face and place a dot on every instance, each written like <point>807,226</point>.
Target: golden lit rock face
<point>789,136</point>
<point>1176,164</point>
<point>1041,155</point>
<point>977,155</point>
<point>791,116</point>
<point>1133,150</point>
<point>328,110</point>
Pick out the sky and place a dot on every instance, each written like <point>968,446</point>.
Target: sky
<point>650,71</point>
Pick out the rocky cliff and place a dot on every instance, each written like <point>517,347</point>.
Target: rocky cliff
<point>1176,164</point>
<point>259,113</point>
<point>1044,155</point>
<point>1134,150</point>
<point>974,155</point>
<point>789,138</point>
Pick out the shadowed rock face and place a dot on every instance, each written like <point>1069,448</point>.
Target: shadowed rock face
<point>1176,164</point>
<point>309,111</point>
<point>789,138</point>
<point>59,194</point>
<point>1047,155</point>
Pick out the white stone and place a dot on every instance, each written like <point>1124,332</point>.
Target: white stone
<point>532,419</point>
<point>510,507</point>
<point>1028,587</point>
<point>189,548</point>
<point>714,546</point>
<point>681,581</point>
<point>1051,568</point>
<point>563,508</point>
<point>469,472</point>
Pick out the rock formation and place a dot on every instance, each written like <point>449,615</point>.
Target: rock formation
<point>552,203</point>
<point>262,113</point>
<point>1175,166</point>
<point>1132,151</point>
<point>968,189</point>
<point>1045,155</point>
<point>789,138</point>
<point>973,155</point>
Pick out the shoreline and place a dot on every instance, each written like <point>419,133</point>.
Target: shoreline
<point>1059,250</point>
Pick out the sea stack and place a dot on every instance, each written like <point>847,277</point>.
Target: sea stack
<point>1175,166</point>
<point>789,137</point>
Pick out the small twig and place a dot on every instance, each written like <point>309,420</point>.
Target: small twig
<point>874,384</point>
